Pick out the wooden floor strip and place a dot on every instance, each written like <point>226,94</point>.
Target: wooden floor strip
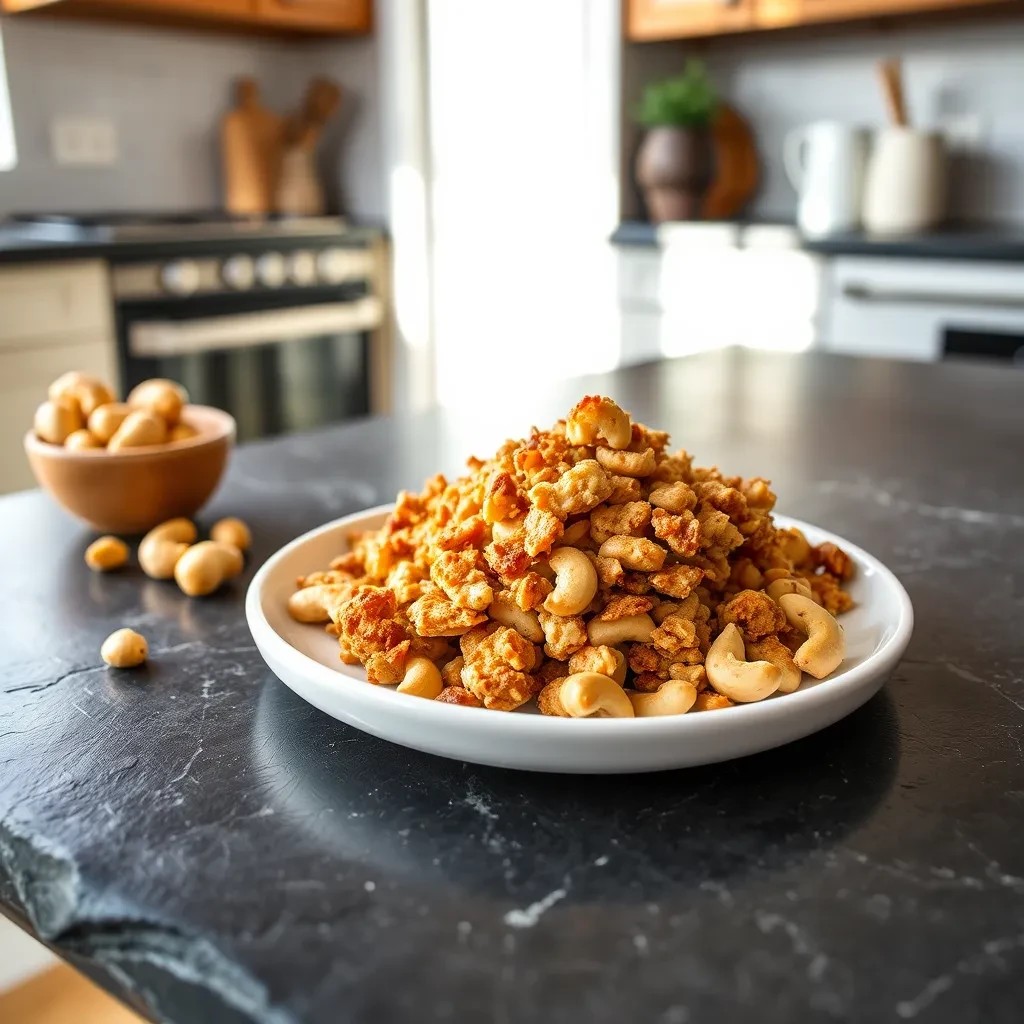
<point>60,995</point>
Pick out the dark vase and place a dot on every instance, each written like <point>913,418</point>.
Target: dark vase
<point>673,167</point>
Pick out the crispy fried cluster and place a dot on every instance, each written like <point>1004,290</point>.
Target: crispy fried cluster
<point>460,572</point>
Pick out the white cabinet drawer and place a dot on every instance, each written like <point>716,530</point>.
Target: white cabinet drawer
<point>24,377</point>
<point>48,301</point>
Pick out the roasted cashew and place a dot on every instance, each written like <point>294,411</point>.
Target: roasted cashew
<point>636,553</point>
<point>623,463</point>
<point>232,531</point>
<point>674,697</point>
<point>590,694</point>
<point>139,429</point>
<point>734,677</point>
<point>163,398</point>
<point>124,648</point>
<point>789,585</point>
<point>606,661</point>
<point>104,420</point>
<point>422,679</point>
<point>161,548</point>
<point>503,609</point>
<point>595,417</point>
<point>56,420</point>
<point>825,647</point>
<point>504,530</point>
<point>314,604</point>
<point>575,582</point>
<point>633,627</point>
<point>82,440</point>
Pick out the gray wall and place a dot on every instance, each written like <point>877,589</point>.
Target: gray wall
<point>779,83</point>
<point>166,90</point>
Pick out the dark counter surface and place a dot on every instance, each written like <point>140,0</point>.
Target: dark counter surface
<point>214,850</point>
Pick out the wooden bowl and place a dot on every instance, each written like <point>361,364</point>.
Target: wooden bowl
<point>132,490</point>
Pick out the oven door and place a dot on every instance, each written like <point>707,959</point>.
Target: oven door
<point>276,369</point>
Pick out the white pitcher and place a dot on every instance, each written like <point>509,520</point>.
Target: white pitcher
<point>825,162</point>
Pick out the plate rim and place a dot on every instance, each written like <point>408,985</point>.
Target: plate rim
<point>741,716</point>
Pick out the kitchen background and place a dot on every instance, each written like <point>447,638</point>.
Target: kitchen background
<point>482,158</point>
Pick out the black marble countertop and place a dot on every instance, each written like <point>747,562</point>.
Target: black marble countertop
<point>993,243</point>
<point>212,849</point>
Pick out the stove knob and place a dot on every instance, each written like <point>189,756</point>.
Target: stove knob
<point>180,277</point>
<point>270,270</point>
<point>334,265</point>
<point>302,267</point>
<point>238,272</point>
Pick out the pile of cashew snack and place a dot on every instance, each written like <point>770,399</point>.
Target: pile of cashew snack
<point>80,412</point>
<point>591,570</point>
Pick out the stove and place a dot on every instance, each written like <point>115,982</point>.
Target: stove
<point>165,226</point>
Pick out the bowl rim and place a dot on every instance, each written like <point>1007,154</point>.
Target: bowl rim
<point>223,423</point>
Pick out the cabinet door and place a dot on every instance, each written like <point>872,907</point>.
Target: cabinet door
<point>780,13</point>
<point>677,19</point>
<point>318,15</point>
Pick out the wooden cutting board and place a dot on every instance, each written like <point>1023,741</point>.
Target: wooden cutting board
<point>252,141</point>
<point>737,169</point>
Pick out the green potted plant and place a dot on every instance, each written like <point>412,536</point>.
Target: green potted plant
<point>673,164</point>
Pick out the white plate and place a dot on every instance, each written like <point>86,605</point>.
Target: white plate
<point>306,659</point>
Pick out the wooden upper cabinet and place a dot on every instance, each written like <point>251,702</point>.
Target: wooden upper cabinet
<point>331,15</point>
<point>674,19</point>
<point>328,17</point>
<point>683,19</point>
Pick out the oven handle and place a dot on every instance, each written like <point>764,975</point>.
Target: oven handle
<point>865,293</point>
<point>159,338</point>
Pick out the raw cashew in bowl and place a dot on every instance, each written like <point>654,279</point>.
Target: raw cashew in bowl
<point>205,566</point>
<point>422,678</point>
<point>825,647</point>
<point>575,582</point>
<point>592,695</point>
<point>734,677</point>
<point>140,428</point>
<point>104,421</point>
<point>633,627</point>
<point>161,548</point>
<point>56,420</point>
<point>162,397</point>
<point>674,697</point>
<point>81,440</point>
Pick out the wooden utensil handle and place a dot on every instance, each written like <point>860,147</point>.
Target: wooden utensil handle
<point>892,87</point>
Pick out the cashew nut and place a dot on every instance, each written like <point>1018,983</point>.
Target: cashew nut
<point>632,627</point>
<point>124,648</point>
<point>205,566</point>
<point>734,677</point>
<point>181,432</point>
<point>161,548</point>
<point>80,389</point>
<point>825,647</point>
<point>104,421</point>
<point>505,529</point>
<point>635,553</point>
<point>106,553</point>
<point>162,397</point>
<point>592,695</point>
<point>606,661</point>
<point>623,463</point>
<point>314,604</point>
<point>140,428</point>
<point>56,420</point>
<point>421,679</point>
<point>575,582</point>
<point>789,585</point>
<point>81,440</point>
<point>232,531</point>
<point>504,609</point>
<point>674,697</point>
<point>595,417</point>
